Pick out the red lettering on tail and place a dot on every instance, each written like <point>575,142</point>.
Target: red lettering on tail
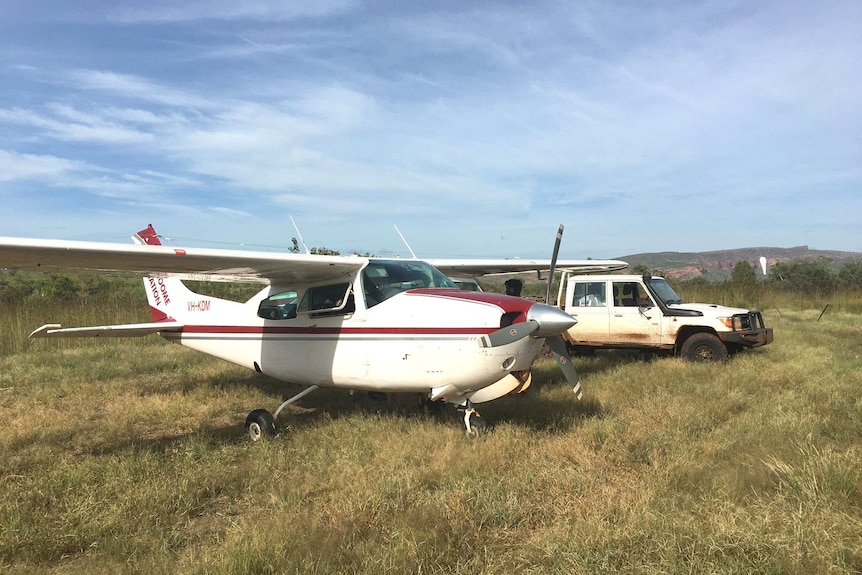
<point>155,290</point>
<point>164,291</point>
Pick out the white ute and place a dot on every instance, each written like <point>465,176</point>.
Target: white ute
<point>644,312</point>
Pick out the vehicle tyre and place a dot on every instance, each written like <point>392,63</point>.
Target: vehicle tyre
<point>260,423</point>
<point>703,347</point>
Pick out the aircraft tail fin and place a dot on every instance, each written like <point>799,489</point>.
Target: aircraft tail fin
<point>147,237</point>
<point>169,298</point>
<point>166,295</point>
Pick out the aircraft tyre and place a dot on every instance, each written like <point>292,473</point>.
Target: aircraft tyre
<point>260,423</point>
<point>703,347</point>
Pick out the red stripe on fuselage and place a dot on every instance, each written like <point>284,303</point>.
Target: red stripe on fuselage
<point>507,303</point>
<point>248,329</point>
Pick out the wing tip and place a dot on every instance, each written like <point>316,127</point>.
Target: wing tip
<point>44,330</point>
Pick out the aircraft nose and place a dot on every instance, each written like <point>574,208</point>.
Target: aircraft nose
<point>551,320</point>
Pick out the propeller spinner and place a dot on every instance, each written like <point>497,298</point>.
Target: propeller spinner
<point>542,321</point>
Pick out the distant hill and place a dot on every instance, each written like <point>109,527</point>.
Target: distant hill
<point>719,264</point>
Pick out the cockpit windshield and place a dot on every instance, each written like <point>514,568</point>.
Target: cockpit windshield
<point>383,279</point>
<point>663,290</point>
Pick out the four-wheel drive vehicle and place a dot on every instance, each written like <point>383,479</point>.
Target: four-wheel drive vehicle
<point>644,312</point>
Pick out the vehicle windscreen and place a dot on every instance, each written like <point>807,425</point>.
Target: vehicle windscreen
<point>663,290</point>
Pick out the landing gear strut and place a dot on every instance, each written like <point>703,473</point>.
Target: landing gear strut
<point>474,425</point>
<point>261,423</point>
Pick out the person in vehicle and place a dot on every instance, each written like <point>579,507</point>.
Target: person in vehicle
<point>594,297</point>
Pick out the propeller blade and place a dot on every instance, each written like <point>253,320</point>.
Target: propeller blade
<point>554,263</point>
<point>561,356</point>
<point>509,334</point>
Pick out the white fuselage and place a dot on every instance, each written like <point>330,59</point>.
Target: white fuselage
<point>415,341</point>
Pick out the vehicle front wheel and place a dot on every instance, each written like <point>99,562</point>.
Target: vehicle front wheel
<point>702,347</point>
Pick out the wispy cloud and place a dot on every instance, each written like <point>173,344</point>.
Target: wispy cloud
<point>67,124</point>
<point>15,166</point>
<point>159,11</point>
<point>134,88</point>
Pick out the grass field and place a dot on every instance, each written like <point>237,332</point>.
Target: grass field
<point>129,456</point>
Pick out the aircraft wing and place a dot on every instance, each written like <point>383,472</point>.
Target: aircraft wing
<point>53,330</point>
<point>509,266</point>
<point>163,261</point>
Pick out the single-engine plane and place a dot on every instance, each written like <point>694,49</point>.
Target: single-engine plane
<point>352,322</point>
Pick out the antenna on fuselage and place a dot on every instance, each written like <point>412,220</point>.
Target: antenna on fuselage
<point>296,227</point>
<point>405,242</point>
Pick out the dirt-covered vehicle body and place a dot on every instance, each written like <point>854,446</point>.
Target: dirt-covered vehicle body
<point>644,312</point>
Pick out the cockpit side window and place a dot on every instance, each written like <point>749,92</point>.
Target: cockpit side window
<point>333,297</point>
<point>279,306</point>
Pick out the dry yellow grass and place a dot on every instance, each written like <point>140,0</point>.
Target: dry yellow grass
<point>131,458</point>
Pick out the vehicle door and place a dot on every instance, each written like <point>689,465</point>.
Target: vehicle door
<point>588,303</point>
<point>635,319</point>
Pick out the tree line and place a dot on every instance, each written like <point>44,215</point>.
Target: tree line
<point>809,276</point>
<point>100,289</point>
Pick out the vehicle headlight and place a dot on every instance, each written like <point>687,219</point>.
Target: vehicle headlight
<point>734,322</point>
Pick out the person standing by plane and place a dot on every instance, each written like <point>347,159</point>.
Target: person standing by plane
<point>513,287</point>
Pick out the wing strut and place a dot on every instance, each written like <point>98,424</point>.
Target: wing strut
<point>296,227</point>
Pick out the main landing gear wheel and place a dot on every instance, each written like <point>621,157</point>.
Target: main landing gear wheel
<point>260,423</point>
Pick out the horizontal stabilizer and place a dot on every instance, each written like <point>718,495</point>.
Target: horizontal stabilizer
<point>124,330</point>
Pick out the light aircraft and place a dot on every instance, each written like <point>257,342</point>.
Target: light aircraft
<point>359,323</point>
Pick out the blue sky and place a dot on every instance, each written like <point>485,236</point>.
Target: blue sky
<point>476,128</point>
